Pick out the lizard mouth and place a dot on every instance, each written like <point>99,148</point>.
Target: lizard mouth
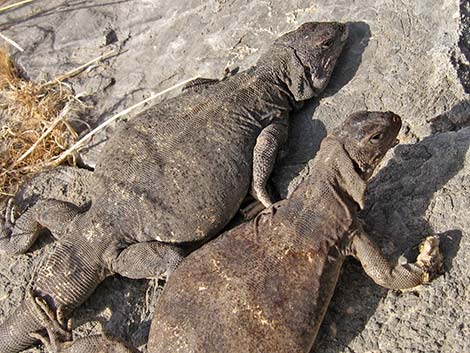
<point>367,170</point>
<point>318,84</point>
<point>321,77</point>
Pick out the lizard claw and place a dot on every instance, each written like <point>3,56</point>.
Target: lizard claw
<point>430,259</point>
<point>262,195</point>
<point>9,217</point>
<point>58,331</point>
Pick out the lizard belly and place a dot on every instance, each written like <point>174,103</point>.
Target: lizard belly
<point>237,294</point>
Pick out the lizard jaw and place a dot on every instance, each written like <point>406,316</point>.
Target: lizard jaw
<point>319,84</point>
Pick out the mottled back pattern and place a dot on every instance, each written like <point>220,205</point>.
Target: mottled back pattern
<point>180,170</point>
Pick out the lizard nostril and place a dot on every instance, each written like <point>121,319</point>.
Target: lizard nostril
<point>394,117</point>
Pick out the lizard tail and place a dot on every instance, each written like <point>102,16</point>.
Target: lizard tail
<point>14,331</point>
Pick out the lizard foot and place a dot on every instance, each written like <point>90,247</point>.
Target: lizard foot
<point>7,222</point>
<point>430,259</point>
<point>58,331</point>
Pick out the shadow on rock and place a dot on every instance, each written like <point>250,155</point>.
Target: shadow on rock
<point>449,245</point>
<point>398,199</point>
<point>130,321</point>
<point>455,119</point>
<point>351,57</point>
<point>305,134</point>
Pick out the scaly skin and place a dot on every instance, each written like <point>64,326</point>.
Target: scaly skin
<point>176,173</point>
<point>264,286</point>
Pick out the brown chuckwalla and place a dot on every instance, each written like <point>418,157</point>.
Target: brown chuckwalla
<point>265,285</point>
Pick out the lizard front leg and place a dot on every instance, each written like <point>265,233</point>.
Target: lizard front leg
<point>406,276</point>
<point>265,152</point>
<point>51,199</point>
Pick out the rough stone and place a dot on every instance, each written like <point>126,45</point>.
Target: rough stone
<point>408,57</point>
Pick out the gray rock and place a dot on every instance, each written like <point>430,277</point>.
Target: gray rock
<point>408,57</point>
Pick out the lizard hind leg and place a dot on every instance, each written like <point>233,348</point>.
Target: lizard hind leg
<point>17,234</point>
<point>58,331</point>
<point>148,260</point>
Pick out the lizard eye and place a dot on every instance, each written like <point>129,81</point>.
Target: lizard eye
<point>328,43</point>
<point>375,139</point>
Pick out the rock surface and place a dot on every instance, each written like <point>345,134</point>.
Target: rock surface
<point>408,57</point>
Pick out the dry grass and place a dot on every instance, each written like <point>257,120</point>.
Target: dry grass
<point>33,130</point>
<point>12,6</point>
<point>34,134</point>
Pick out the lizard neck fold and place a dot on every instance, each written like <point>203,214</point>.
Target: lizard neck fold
<point>269,97</point>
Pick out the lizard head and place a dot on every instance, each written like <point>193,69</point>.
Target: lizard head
<point>367,136</point>
<point>309,55</point>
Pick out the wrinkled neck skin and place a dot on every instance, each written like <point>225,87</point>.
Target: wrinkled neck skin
<point>276,65</point>
<point>333,165</point>
<point>323,207</point>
